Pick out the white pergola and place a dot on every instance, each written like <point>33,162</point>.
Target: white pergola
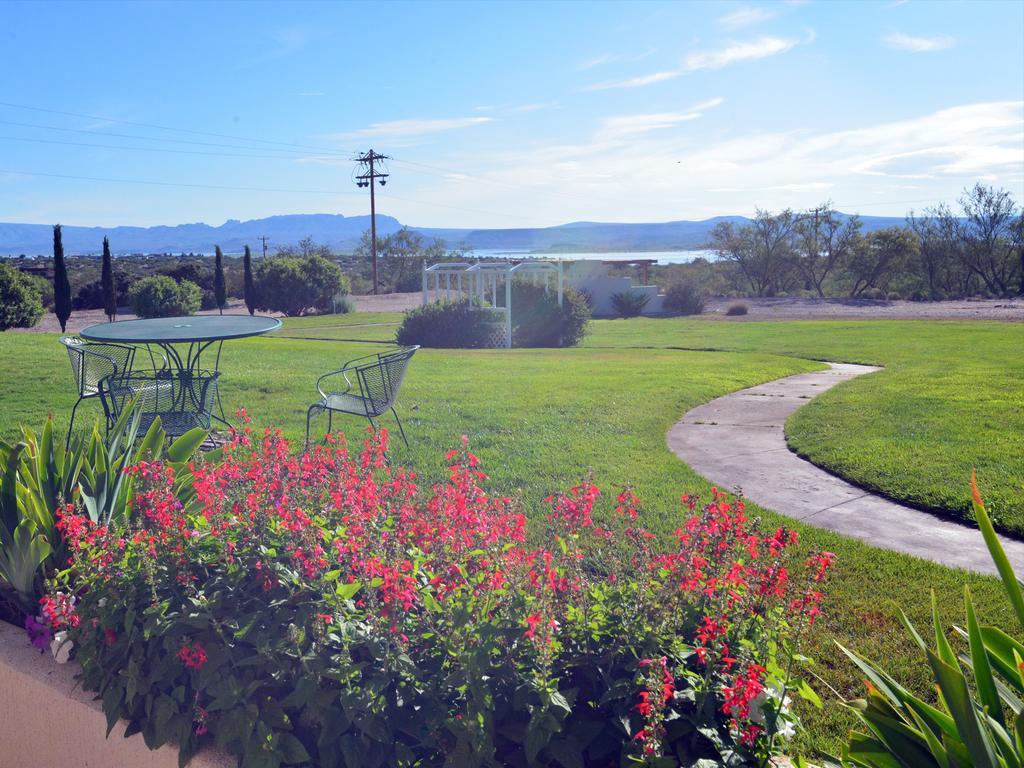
<point>448,281</point>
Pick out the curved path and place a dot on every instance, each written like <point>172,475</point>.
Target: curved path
<point>738,441</point>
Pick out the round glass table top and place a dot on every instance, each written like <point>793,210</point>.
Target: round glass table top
<point>181,330</point>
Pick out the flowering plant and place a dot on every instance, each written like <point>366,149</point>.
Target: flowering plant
<point>320,609</point>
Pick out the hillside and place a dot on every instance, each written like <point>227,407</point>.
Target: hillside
<point>343,232</point>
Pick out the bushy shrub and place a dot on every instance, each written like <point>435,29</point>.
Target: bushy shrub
<point>20,302</point>
<point>90,295</point>
<point>684,299</point>
<point>736,310</point>
<point>318,610</point>
<point>448,324</point>
<point>538,320</point>
<point>630,303</point>
<point>299,285</point>
<point>162,296</point>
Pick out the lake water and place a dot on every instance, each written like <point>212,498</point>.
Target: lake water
<point>663,257</point>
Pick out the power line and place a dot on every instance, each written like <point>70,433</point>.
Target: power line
<point>161,127</point>
<point>174,184</point>
<point>164,150</point>
<point>164,139</point>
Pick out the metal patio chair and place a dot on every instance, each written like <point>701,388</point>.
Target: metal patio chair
<point>183,402</point>
<point>377,381</point>
<point>91,363</point>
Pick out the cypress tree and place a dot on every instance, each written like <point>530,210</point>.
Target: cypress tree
<point>220,293</point>
<point>250,283</point>
<point>61,286</point>
<point>107,283</point>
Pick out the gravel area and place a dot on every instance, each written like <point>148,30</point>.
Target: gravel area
<point>867,309</point>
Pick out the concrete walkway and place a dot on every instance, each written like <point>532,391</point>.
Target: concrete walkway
<point>738,441</point>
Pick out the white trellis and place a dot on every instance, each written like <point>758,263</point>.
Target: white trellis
<point>454,281</point>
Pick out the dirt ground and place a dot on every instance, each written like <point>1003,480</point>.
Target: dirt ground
<point>1011,310</point>
<point>867,309</point>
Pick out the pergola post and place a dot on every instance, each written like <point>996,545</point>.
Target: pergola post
<point>423,268</point>
<point>560,283</point>
<point>508,310</point>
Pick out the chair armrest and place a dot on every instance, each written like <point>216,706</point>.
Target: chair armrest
<point>343,372</point>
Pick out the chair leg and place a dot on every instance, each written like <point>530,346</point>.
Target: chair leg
<point>309,417</point>
<point>401,429</point>
<point>71,426</point>
<point>330,422</point>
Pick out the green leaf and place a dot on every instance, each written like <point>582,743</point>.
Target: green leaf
<point>290,749</point>
<point>1009,578</point>
<point>979,664</point>
<point>185,447</point>
<point>348,590</point>
<point>808,694</point>
<point>957,696</point>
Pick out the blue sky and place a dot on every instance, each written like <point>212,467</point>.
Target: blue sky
<point>504,115</point>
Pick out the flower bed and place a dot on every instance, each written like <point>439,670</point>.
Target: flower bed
<point>321,608</point>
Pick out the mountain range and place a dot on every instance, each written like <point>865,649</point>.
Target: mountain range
<point>342,233</point>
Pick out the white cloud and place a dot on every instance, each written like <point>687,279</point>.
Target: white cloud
<point>761,48</point>
<point>745,17</point>
<point>916,44</point>
<point>733,53</point>
<point>648,167</point>
<point>635,82</point>
<point>531,107</point>
<point>626,125</point>
<point>405,129</point>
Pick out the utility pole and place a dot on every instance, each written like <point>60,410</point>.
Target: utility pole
<point>366,174</point>
<point>264,239</point>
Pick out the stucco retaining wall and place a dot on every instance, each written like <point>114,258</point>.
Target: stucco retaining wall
<point>47,721</point>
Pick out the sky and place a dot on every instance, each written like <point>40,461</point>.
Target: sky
<point>504,114</point>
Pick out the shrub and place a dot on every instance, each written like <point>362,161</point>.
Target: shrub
<point>90,295</point>
<point>735,310</point>
<point>43,288</point>
<point>629,303</point>
<point>971,722</point>
<point>319,610</point>
<point>344,305</point>
<point>538,320</point>
<point>684,298</point>
<point>20,303</point>
<point>448,324</point>
<point>299,285</point>
<point>162,296</point>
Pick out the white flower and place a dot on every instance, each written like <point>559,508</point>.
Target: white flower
<point>102,602</point>
<point>61,646</point>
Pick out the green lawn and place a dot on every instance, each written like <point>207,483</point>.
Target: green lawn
<point>540,419</point>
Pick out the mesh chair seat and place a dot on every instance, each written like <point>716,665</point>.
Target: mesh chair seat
<point>346,402</point>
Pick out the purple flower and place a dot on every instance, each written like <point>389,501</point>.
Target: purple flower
<point>38,633</point>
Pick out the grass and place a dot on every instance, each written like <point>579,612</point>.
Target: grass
<point>950,397</point>
<point>541,419</point>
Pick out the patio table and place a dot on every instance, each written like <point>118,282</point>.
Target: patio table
<point>199,332</point>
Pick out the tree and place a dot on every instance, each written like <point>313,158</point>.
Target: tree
<point>107,283</point>
<point>220,293</point>
<point>823,242</point>
<point>250,283</point>
<point>400,258</point>
<point>294,285</point>
<point>940,264</point>
<point>763,249</point>
<point>987,233</point>
<point>61,285</point>
<point>20,303</point>
<point>877,257</point>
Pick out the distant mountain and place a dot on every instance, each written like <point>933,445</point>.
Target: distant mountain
<point>343,232</point>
